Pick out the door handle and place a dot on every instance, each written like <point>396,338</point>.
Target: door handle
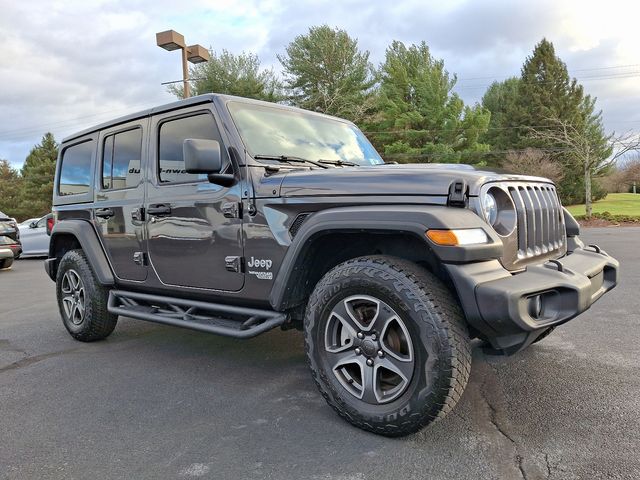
<point>159,209</point>
<point>104,212</point>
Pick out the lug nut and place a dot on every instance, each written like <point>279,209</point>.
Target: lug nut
<point>374,337</point>
<point>380,353</point>
<point>369,362</point>
<point>360,335</point>
<point>358,351</point>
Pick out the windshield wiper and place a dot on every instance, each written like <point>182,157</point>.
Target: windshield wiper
<point>340,163</point>
<point>286,158</point>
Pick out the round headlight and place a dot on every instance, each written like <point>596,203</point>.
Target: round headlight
<point>490,208</point>
<point>499,211</point>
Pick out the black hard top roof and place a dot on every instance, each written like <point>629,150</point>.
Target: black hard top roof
<point>200,99</point>
<point>144,113</point>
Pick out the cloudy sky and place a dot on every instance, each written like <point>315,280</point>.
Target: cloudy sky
<point>66,65</point>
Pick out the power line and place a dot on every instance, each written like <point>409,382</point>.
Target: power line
<point>571,71</point>
<point>595,77</point>
<point>74,121</point>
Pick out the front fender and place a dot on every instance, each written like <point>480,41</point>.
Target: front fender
<point>410,219</point>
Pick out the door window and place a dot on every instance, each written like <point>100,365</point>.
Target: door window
<point>172,135</point>
<point>121,160</point>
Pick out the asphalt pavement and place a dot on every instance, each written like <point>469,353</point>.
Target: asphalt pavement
<point>155,402</point>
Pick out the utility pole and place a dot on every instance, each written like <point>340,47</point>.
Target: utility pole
<point>171,40</point>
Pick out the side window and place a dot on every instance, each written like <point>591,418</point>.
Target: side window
<point>121,159</point>
<point>75,171</point>
<point>172,134</point>
<point>42,222</point>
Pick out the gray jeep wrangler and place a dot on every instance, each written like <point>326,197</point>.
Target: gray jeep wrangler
<point>234,216</point>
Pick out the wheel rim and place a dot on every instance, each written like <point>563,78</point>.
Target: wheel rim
<point>73,298</point>
<point>369,349</point>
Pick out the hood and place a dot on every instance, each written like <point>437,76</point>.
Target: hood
<point>408,179</point>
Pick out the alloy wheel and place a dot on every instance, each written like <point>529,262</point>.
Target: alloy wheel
<point>73,297</point>
<point>369,349</point>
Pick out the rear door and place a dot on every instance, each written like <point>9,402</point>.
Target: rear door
<point>119,196</point>
<point>194,227</point>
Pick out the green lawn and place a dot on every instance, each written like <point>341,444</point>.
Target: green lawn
<point>615,204</point>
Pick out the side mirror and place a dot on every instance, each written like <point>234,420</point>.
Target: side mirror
<point>201,156</point>
<point>33,224</point>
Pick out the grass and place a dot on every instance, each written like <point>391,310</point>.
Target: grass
<point>626,204</point>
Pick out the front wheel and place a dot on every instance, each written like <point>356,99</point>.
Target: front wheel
<point>387,344</point>
<point>82,300</point>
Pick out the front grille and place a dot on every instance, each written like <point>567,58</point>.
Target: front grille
<point>539,214</point>
<point>540,232</point>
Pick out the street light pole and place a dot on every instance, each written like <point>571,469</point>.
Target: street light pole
<point>171,40</point>
<point>185,74</point>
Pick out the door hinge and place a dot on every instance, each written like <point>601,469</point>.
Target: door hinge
<point>458,193</point>
<point>233,264</point>
<point>140,258</point>
<point>232,209</point>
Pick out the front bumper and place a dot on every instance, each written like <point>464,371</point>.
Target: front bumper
<point>512,310</point>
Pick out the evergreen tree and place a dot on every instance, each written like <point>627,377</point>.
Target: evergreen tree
<point>422,118</point>
<point>544,98</point>
<point>325,71</point>
<point>11,191</point>
<point>231,74</point>
<point>38,174</point>
<point>501,99</point>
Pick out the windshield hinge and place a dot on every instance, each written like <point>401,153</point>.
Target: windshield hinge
<point>458,194</point>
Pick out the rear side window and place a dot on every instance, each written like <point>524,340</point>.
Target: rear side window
<point>172,135</point>
<point>121,159</point>
<point>75,171</point>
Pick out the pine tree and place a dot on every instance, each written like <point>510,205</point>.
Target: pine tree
<point>501,99</point>
<point>425,120</point>
<point>11,191</point>
<point>231,74</point>
<point>38,174</point>
<point>542,99</point>
<point>325,71</point>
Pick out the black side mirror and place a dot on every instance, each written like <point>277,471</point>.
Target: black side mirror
<point>33,224</point>
<point>201,156</point>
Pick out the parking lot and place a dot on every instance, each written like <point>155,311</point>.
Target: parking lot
<point>160,402</point>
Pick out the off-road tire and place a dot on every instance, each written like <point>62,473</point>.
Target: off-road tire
<point>6,263</point>
<point>97,323</point>
<point>438,334</point>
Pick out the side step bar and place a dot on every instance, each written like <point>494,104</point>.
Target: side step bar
<point>226,320</point>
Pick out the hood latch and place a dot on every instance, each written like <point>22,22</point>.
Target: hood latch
<point>458,194</point>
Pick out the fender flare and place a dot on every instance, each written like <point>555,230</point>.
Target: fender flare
<point>409,219</point>
<point>87,237</point>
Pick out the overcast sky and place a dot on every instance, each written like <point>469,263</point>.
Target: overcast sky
<point>66,65</point>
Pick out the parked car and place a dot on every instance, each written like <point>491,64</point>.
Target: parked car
<point>234,216</point>
<point>28,221</point>
<point>6,258</point>
<point>34,238</point>
<point>10,234</point>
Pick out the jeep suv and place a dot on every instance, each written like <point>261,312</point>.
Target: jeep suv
<point>234,216</point>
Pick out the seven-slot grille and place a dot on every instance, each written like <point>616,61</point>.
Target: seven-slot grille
<point>540,219</point>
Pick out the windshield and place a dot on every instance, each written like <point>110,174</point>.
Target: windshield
<point>273,131</point>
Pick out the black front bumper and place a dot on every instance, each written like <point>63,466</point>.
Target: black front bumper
<point>512,310</point>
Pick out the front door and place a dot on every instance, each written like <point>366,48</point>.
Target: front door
<point>194,234</point>
<point>119,197</point>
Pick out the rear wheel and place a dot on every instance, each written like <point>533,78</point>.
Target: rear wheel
<point>82,300</point>
<point>6,263</point>
<point>387,344</point>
